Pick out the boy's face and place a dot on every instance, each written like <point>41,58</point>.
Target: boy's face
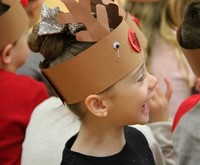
<point>131,95</point>
<point>193,58</point>
<point>20,51</point>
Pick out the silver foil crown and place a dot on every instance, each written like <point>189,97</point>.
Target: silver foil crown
<point>74,28</point>
<point>49,23</point>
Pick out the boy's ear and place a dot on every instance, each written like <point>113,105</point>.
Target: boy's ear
<point>6,57</point>
<point>96,105</point>
<point>33,11</point>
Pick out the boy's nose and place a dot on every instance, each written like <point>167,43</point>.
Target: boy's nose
<point>153,82</point>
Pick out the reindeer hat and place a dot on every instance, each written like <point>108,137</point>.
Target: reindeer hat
<point>14,23</point>
<point>114,55</point>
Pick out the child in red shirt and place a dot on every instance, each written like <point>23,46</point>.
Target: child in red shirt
<point>19,94</point>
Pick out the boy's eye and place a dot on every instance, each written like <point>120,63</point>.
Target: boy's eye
<point>142,78</point>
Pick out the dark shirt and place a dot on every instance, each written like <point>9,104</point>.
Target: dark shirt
<point>136,151</point>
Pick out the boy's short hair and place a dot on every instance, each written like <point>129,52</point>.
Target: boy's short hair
<point>189,35</point>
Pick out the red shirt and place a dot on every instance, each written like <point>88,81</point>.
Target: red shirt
<point>19,95</point>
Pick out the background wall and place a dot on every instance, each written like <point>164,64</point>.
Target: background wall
<point>54,3</point>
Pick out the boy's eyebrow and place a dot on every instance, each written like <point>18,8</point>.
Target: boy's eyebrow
<point>137,72</point>
<point>141,67</point>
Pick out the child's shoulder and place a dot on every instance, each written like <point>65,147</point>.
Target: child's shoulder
<point>187,105</point>
<point>20,82</point>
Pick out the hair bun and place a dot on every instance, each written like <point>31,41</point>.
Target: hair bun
<point>35,41</point>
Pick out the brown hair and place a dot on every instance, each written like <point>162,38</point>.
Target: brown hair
<point>190,32</point>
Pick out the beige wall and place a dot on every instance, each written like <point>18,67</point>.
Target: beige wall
<point>54,3</point>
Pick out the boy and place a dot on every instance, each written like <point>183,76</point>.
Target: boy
<point>19,94</point>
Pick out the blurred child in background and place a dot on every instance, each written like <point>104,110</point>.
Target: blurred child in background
<point>186,122</point>
<point>19,94</point>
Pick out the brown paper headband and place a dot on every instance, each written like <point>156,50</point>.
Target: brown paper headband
<point>100,66</point>
<point>14,23</point>
<point>192,55</point>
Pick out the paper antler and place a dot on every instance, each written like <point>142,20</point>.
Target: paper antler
<point>96,28</point>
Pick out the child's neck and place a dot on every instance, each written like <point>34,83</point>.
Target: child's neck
<point>7,68</point>
<point>100,141</point>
